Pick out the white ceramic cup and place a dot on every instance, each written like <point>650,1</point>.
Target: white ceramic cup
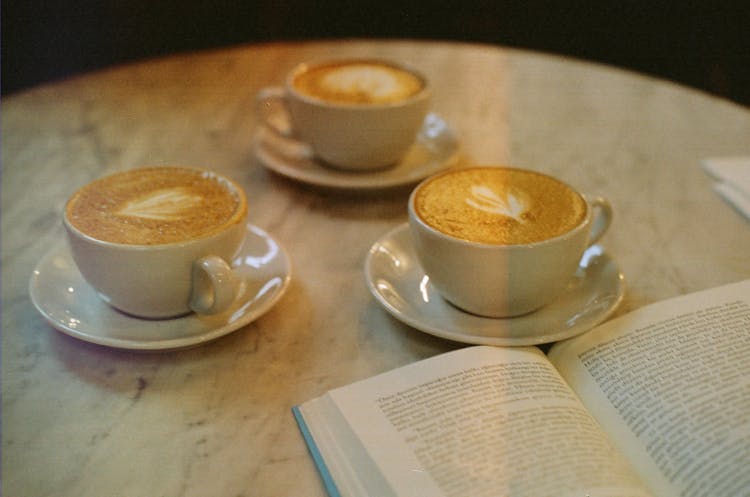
<point>496,280</point>
<point>164,280</point>
<point>347,136</point>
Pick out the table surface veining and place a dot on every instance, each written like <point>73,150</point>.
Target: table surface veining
<point>85,420</point>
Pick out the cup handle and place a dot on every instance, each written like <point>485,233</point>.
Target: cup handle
<point>602,218</point>
<point>215,286</point>
<point>271,105</point>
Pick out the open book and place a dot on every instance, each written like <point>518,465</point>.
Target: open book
<point>656,402</point>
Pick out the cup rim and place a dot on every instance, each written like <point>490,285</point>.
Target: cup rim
<point>499,246</point>
<point>423,94</point>
<point>238,217</point>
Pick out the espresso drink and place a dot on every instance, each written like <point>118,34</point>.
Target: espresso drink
<point>357,82</point>
<point>501,206</point>
<point>157,205</point>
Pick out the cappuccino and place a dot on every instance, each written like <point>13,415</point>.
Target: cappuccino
<point>157,205</point>
<point>500,206</point>
<point>357,82</point>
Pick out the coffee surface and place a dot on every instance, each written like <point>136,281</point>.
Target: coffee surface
<point>153,206</point>
<point>358,82</point>
<point>499,205</point>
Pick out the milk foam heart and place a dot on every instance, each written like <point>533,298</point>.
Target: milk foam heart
<point>499,205</point>
<point>358,82</point>
<point>513,203</point>
<point>152,206</point>
<point>169,204</point>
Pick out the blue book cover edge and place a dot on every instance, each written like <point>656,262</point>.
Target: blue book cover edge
<point>330,486</point>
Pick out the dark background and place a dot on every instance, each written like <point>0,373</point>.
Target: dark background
<point>706,46</point>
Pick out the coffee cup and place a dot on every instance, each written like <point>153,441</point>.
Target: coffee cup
<point>359,114</point>
<point>502,242</point>
<point>158,242</point>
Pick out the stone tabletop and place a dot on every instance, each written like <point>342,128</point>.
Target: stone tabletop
<point>85,420</point>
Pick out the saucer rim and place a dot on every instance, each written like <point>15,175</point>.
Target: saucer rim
<point>159,345</point>
<point>340,179</point>
<point>466,337</point>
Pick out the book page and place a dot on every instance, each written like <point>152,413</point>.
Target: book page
<point>344,464</point>
<point>671,384</point>
<point>483,421</point>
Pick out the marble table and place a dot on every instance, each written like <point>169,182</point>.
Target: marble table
<point>80,419</point>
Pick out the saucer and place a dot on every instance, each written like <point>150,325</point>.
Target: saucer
<point>69,304</point>
<point>435,149</point>
<point>398,283</point>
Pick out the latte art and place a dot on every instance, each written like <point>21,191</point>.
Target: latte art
<point>512,204</point>
<point>501,206</point>
<point>166,205</point>
<point>157,205</point>
<point>375,82</point>
<point>358,82</point>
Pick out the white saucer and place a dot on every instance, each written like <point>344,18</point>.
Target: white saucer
<point>397,281</point>
<point>69,304</point>
<point>436,148</point>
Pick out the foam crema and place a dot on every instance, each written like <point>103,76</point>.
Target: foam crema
<point>501,206</point>
<point>357,82</point>
<point>157,205</point>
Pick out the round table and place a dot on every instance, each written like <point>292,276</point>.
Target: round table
<point>214,419</point>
